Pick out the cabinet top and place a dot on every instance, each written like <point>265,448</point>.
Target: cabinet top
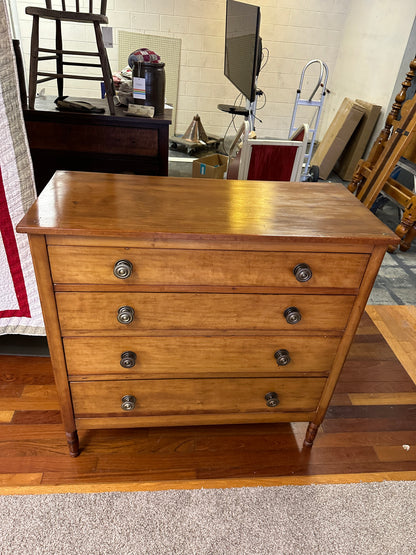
<point>146,207</point>
<point>46,111</point>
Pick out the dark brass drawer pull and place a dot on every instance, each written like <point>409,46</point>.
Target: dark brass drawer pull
<point>292,315</point>
<point>128,359</point>
<point>302,272</point>
<point>272,399</point>
<point>125,315</point>
<point>123,269</point>
<point>128,402</point>
<point>282,357</point>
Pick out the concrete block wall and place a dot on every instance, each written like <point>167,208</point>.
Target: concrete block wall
<point>293,32</point>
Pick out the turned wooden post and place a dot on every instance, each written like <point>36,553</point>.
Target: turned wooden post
<point>378,146</point>
<point>310,434</point>
<point>406,228</point>
<point>73,443</point>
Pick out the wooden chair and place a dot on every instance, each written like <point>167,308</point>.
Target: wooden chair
<point>274,159</point>
<point>76,16</point>
<point>395,147</point>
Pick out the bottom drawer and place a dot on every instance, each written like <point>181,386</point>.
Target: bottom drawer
<point>104,399</point>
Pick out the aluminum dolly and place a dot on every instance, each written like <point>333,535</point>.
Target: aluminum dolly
<point>311,173</point>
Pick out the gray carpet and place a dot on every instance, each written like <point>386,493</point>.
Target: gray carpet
<point>374,518</point>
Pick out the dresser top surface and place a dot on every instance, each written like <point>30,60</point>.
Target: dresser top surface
<point>113,205</point>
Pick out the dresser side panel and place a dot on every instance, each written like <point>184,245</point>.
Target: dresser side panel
<point>350,330</point>
<point>50,316</point>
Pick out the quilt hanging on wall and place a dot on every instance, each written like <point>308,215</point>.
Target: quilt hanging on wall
<point>20,311</point>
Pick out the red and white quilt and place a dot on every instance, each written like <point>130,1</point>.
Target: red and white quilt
<point>20,311</point>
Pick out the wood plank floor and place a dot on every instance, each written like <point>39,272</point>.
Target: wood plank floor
<point>369,433</point>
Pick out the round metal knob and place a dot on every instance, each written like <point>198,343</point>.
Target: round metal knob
<point>122,269</point>
<point>125,315</point>
<point>272,399</point>
<point>128,402</point>
<point>282,357</point>
<point>128,359</point>
<point>292,315</point>
<point>302,272</point>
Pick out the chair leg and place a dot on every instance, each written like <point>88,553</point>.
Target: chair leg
<point>34,55</point>
<point>59,58</point>
<point>105,67</point>
<point>408,238</point>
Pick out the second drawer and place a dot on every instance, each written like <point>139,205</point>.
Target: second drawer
<point>100,313</point>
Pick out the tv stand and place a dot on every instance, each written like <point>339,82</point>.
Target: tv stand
<point>235,110</point>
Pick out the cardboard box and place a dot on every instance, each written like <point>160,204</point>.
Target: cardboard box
<point>214,165</point>
<point>356,146</point>
<point>337,136</point>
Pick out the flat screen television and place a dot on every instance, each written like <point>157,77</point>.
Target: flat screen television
<point>242,46</point>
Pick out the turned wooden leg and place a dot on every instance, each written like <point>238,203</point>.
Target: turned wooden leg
<point>310,434</point>
<point>405,229</point>
<point>408,238</point>
<point>357,178</point>
<point>73,443</point>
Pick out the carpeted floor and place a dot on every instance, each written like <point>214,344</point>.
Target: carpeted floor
<point>365,518</point>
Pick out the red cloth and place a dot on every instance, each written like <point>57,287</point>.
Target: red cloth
<point>271,162</point>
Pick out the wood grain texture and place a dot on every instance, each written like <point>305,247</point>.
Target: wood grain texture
<point>171,209</point>
<point>174,207</point>
<point>190,397</point>
<point>91,265</point>
<point>398,326</point>
<point>187,356</point>
<point>43,278</point>
<point>199,311</point>
<point>354,443</point>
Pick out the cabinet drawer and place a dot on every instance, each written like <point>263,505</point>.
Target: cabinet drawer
<point>98,357</point>
<point>194,396</point>
<point>90,138</point>
<point>97,313</point>
<point>95,265</point>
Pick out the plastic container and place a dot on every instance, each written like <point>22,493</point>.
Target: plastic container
<point>155,83</point>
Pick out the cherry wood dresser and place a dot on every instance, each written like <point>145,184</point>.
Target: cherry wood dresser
<point>178,301</point>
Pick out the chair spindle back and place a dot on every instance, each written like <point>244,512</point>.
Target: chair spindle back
<point>77,8</point>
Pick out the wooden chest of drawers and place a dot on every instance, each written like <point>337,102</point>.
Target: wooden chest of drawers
<point>172,301</point>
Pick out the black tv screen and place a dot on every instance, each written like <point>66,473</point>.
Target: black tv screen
<point>242,46</point>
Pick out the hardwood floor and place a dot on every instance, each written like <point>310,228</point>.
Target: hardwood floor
<point>369,433</point>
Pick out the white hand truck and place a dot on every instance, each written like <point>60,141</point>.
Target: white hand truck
<point>311,173</point>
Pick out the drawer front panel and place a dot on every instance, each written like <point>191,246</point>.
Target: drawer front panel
<point>95,265</point>
<point>113,140</point>
<point>91,313</point>
<point>176,356</point>
<point>195,396</point>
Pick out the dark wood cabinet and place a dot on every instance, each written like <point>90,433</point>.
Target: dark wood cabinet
<point>95,142</point>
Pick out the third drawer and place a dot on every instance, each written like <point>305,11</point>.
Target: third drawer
<point>146,357</point>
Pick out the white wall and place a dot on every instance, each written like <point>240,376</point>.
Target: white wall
<point>370,55</point>
<point>294,31</point>
<point>362,41</point>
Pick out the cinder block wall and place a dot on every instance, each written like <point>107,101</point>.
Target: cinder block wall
<point>293,31</point>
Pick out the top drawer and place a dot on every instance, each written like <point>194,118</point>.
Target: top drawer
<point>98,265</point>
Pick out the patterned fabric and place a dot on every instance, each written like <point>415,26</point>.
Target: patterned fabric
<point>143,55</point>
<point>20,311</point>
